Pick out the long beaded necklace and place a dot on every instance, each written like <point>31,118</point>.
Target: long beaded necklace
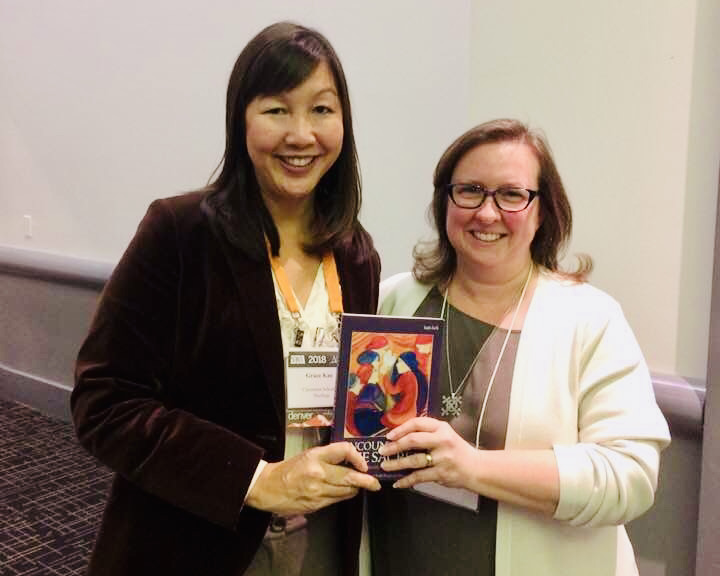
<point>452,403</point>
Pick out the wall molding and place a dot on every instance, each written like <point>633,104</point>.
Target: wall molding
<point>54,267</point>
<point>47,396</point>
<point>681,401</point>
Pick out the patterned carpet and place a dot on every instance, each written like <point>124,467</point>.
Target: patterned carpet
<point>52,494</point>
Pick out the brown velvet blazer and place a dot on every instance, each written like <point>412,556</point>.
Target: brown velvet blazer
<point>180,390</point>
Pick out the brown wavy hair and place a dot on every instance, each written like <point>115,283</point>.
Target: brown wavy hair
<point>435,261</point>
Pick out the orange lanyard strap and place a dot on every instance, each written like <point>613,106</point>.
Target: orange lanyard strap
<point>285,287</point>
<point>332,285</point>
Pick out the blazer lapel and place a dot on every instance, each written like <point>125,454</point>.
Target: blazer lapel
<point>256,293</point>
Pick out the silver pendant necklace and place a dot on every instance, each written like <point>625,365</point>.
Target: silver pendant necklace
<point>452,403</point>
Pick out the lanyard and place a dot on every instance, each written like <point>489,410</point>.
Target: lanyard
<point>332,285</point>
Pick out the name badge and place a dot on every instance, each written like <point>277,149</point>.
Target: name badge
<point>310,379</point>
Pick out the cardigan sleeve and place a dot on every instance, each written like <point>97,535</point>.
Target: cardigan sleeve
<point>401,294</point>
<point>122,403</point>
<point>610,475</point>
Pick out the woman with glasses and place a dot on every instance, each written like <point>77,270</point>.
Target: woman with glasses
<point>547,437</point>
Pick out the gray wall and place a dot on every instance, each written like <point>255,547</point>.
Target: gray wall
<point>42,323</point>
<point>708,551</point>
<point>665,537</point>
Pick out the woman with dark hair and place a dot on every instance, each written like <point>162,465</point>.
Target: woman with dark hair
<point>549,436</point>
<point>181,383</point>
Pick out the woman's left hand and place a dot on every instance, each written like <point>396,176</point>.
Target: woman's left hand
<point>442,455</point>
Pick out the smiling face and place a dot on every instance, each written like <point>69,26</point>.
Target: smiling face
<point>293,138</point>
<point>486,240</point>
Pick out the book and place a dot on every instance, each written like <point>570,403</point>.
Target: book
<point>388,370</point>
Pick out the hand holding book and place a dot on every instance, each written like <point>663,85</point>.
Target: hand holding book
<point>442,464</point>
<point>311,480</point>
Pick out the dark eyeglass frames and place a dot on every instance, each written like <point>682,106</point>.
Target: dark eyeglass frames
<point>472,196</point>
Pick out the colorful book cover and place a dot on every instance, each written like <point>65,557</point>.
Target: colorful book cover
<point>388,369</point>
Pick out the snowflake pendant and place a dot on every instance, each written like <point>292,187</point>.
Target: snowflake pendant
<point>452,405</point>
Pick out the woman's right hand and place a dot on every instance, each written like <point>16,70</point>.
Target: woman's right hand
<point>311,480</point>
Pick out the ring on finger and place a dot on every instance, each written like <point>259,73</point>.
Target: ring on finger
<point>428,460</point>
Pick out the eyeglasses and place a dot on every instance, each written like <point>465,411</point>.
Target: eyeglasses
<point>472,196</point>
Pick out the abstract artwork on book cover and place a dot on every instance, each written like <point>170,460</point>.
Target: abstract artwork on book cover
<point>386,373</point>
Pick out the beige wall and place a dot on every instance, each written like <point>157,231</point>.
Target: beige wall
<point>628,94</point>
<point>105,107</point>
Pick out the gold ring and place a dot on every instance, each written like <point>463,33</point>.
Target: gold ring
<point>428,460</point>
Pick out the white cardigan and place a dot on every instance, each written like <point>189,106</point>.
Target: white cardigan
<point>581,387</point>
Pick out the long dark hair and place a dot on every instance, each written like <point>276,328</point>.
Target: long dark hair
<point>278,59</point>
<point>435,261</point>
